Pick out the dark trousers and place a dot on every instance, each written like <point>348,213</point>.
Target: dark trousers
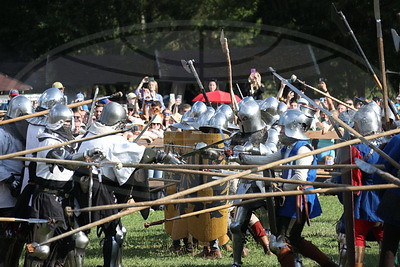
<point>390,244</point>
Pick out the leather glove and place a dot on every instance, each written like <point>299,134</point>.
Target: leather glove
<point>14,185</point>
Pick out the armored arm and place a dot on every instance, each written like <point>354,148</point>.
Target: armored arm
<point>159,156</point>
<point>62,153</point>
<point>259,159</point>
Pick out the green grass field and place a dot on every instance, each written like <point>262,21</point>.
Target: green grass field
<point>148,247</point>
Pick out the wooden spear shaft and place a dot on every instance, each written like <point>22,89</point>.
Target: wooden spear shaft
<point>44,112</point>
<point>33,150</point>
<point>328,95</point>
<point>332,190</point>
<point>161,187</point>
<point>186,215</point>
<point>175,167</point>
<point>210,184</point>
<point>188,171</point>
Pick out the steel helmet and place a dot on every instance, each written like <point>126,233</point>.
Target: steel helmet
<point>309,112</point>
<point>112,114</point>
<point>367,121</point>
<point>204,118</point>
<point>269,110</point>
<point>19,106</point>
<point>50,98</point>
<point>218,121</point>
<point>198,108</point>
<point>183,124</point>
<point>60,114</point>
<point>295,123</point>
<point>249,116</point>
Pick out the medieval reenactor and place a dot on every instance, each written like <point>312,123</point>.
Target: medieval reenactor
<point>388,208</point>
<point>252,138</point>
<point>112,183</point>
<point>366,122</point>
<point>13,140</point>
<point>296,210</point>
<point>53,185</point>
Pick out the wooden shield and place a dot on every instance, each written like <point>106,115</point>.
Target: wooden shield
<point>177,229</point>
<point>213,225</point>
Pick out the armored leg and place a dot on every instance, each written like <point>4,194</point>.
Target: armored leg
<point>112,249</point>
<point>238,228</point>
<point>37,256</point>
<point>342,250</point>
<point>76,256</point>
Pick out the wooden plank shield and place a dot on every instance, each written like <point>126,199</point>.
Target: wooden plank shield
<point>178,228</point>
<point>213,225</point>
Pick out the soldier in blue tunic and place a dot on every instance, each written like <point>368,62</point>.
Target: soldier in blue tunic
<point>296,210</point>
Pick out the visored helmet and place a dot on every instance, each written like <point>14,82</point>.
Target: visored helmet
<point>309,112</point>
<point>295,123</point>
<point>249,116</point>
<point>112,114</point>
<point>367,121</point>
<point>50,98</point>
<point>269,110</point>
<point>19,106</point>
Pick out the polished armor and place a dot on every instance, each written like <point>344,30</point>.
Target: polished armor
<point>249,116</point>
<point>19,106</point>
<point>269,110</point>
<point>295,123</point>
<point>112,114</point>
<point>367,121</point>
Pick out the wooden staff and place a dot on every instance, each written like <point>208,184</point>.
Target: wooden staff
<point>161,187</point>
<point>212,183</point>
<point>73,105</point>
<point>327,95</point>
<point>165,180</point>
<point>225,49</point>
<point>333,190</point>
<point>186,215</point>
<point>381,53</point>
<point>177,168</point>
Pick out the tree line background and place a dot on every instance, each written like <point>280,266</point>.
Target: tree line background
<point>32,28</point>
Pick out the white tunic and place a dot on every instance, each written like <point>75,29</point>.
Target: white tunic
<point>116,149</point>
<point>51,171</point>
<point>8,144</point>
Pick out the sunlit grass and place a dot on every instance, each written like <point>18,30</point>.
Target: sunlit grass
<point>148,247</point>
